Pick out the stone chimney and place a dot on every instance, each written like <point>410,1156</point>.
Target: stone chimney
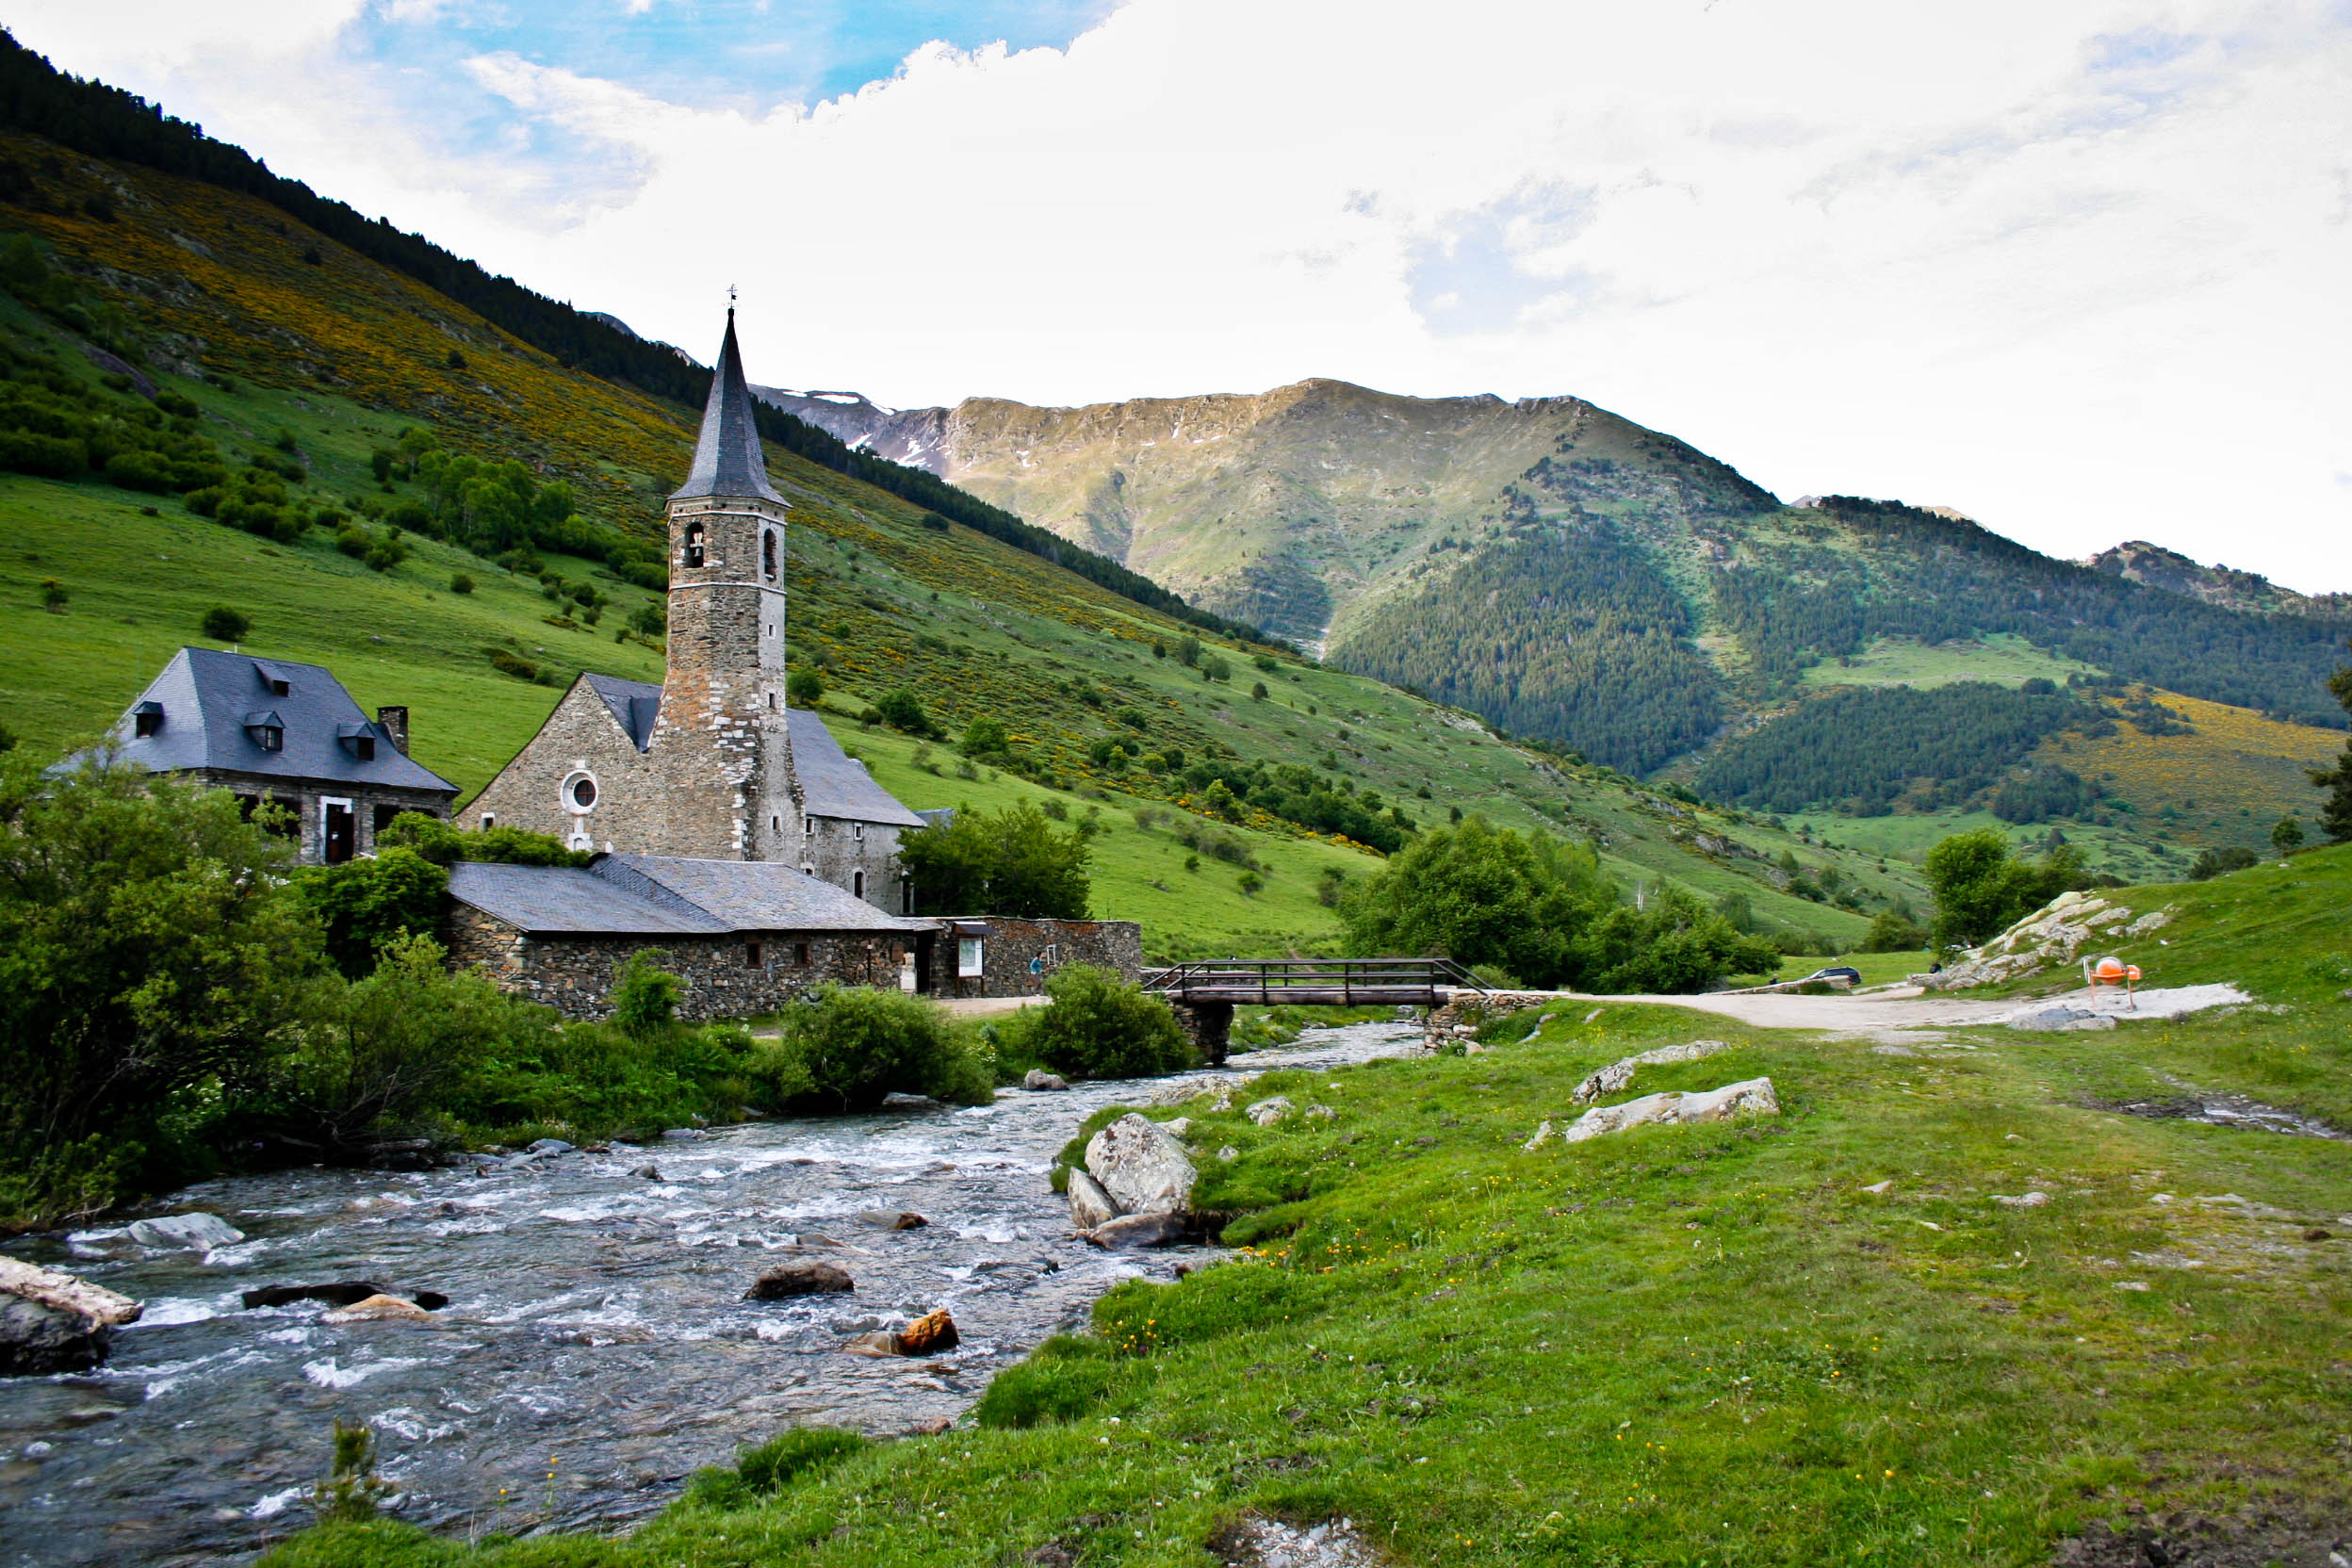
<point>395,722</point>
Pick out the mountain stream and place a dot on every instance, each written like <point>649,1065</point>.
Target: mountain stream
<point>596,1348</point>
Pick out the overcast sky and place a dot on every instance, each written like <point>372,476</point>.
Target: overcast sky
<point>2078,269</point>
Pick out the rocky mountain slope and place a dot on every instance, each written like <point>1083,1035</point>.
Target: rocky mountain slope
<point>1571,574</point>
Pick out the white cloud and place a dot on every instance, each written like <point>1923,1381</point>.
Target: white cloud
<point>2071,265</point>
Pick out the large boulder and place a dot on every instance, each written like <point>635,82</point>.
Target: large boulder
<point>1089,1205</point>
<point>50,1321</point>
<point>194,1233</point>
<point>801,1277</point>
<point>1749,1097</point>
<point>1141,1168</point>
<point>1036,1078</point>
<point>1616,1076</point>
<point>36,1339</point>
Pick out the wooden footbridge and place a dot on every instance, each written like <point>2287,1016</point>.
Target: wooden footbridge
<point>1313,982</point>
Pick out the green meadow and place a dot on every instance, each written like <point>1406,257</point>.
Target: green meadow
<point>1816,1337</point>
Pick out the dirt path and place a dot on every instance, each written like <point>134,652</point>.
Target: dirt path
<point>1905,1008</point>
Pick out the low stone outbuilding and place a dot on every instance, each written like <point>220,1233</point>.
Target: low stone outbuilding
<point>747,936</point>
<point>1013,956</point>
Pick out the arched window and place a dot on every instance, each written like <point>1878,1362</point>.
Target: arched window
<point>858,883</point>
<point>767,553</point>
<point>693,544</point>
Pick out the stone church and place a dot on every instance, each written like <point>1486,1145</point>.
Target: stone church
<point>710,764</point>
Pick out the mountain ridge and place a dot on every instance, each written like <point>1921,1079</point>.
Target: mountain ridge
<point>1565,571</point>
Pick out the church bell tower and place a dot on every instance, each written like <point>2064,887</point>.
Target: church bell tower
<point>723,692</point>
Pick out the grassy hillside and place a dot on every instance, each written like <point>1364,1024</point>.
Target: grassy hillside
<point>341,357</point>
<point>1817,1337</point>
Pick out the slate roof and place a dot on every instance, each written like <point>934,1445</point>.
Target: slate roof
<point>208,699</point>
<point>652,896</point>
<point>831,785</point>
<point>727,460</point>
<point>633,703</point>
<point>754,895</point>
<point>567,899</point>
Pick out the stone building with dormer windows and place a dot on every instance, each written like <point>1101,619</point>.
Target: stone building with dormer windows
<point>710,764</point>
<point>283,734</point>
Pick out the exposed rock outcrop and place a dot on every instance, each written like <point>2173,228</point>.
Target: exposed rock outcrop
<point>1266,1112</point>
<point>2055,934</point>
<point>1749,1097</point>
<point>1614,1077</point>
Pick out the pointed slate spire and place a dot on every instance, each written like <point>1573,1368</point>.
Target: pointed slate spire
<point>727,460</point>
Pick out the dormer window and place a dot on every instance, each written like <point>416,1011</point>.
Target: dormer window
<point>275,679</point>
<point>146,720</point>
<point>267,730</point>
<point>693,544</point>
<point>767,553</point>
<point>357,739</point>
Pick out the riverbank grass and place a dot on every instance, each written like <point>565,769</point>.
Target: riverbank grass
<point>1694,1346</point>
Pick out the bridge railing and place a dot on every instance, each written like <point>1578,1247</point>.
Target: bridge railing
<point>1271,977</point>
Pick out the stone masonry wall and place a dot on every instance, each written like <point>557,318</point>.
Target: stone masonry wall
<point>574,975</point>
<point>1462,1015</point>
<point>311,830</point>
<point>1013,944</point>
<point>580,736</point>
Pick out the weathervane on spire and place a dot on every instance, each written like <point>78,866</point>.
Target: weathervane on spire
<point>730,299</point>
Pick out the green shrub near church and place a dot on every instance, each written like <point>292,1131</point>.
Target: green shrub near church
<point>1097,1026</point>
<point>856,1045</point>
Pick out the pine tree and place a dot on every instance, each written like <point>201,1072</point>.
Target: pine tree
<point>2335,810</point>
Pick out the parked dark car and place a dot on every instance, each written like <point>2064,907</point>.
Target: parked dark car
<point>1838,971</point>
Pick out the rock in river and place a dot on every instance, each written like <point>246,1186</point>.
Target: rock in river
<point>802,1277</point>
<point>1037,1078</point>
<point>1132,1230</point>
<point>195,1233</point>
<point>1144,1171</point>
<point>376,1309</point>
<point>890,1219</point>
<point>1089,1205</point>
<point>926,1335</point>
<point>53,1322</point>
<point>930,1334</point>
<point>342,1293</point>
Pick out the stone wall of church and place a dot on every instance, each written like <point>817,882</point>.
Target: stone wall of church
<point>836,851</point>
<point>737,975</point>
<point>581,735</point>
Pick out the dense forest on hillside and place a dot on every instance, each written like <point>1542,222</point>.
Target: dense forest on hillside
<point>1932,577</point>
<point>106,122</point>
<point>1575,636</point>
<point>1861,749</point>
